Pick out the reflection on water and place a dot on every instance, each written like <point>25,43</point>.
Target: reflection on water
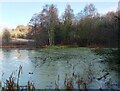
<point>48,67</point>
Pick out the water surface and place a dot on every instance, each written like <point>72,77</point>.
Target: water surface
<point>45,67</point>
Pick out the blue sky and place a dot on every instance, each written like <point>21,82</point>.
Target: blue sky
<point>17,13</point>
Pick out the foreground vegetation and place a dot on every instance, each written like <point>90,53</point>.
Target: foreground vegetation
<point>12,83</point>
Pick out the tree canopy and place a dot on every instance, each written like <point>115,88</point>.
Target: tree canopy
<point>85,28</point>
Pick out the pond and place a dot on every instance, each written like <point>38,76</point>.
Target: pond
<point>50,66</point>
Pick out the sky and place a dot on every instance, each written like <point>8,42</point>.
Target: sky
<point>19,13</point>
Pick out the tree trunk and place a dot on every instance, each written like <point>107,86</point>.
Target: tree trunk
<point>51,37</point>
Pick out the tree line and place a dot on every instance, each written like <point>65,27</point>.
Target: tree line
<point>86,28</point>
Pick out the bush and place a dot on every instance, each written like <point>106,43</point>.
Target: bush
<point>6,37</point>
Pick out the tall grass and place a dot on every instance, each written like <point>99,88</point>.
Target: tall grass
<point>12,84</point>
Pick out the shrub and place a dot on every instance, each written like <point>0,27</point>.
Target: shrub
<point>6,37</point>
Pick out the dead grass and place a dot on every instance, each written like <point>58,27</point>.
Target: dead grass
<point>12,84</point>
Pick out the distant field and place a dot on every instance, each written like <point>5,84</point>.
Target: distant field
<point>21,41</point>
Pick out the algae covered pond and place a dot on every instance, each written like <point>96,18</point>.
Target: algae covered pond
<point>50,66</point>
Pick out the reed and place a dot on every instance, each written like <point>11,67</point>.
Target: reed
<point>12,84</point>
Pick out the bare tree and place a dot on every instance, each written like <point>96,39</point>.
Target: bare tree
<point>49,20</point>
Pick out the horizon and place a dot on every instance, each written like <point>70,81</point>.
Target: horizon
<point>20,13</point>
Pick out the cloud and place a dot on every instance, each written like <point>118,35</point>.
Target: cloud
<point>113,8</point>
